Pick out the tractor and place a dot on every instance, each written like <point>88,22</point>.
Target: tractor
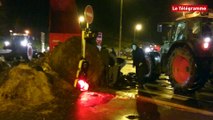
<point>19,47</point>
<point>186,55</point>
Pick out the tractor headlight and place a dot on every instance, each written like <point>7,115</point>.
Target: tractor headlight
<point>24,43</point>
<point>6,43</point>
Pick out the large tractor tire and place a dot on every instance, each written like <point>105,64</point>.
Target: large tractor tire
<point>185,74</point>
<point>153,61</point>
<point>29,52</point>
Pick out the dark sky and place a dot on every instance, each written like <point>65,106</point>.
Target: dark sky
<point>107,15</point>
<point>147,12</point>
<point>26,14</point>
<point>34,14</point>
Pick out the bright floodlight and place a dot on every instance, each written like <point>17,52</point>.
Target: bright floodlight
<point>24,43</point>
<point>27,32</point>
<point>138,27</point>
<point>6,43</point>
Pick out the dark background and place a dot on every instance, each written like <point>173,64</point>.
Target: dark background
<point>35,16</point>
<point>18,15</point>
<point>147,12</point>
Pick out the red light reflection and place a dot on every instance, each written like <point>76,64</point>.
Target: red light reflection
<point>88,101</point>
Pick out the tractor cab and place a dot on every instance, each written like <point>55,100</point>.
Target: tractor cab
<point>195,28</point>
<point>186,55</point>
<point>18,40</point>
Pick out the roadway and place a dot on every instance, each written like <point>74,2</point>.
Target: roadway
<point>155,101</point>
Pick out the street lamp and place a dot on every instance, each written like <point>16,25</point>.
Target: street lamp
<point>11,32</point>
<point>120,30</point>
<point>138,27</point>
<point>81,20</point>
<point>27,32</point>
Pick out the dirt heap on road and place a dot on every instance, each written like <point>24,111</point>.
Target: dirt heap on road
<point>26,86</point>
<point>43,88</point>
<point>29,93</point>
<point>41,80</point>
<point>65,58</point>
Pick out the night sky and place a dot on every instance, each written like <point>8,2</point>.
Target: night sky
<point>25,14</point>
<point>34,15</point>
<point>147,12</point>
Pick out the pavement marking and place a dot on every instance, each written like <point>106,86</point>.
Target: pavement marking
<point>174,105</point>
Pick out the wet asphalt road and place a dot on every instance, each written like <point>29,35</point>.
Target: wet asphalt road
<point>196,106</point>
<point>155,101</point>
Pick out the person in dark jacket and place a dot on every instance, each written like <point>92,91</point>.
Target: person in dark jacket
<point>139,61</point>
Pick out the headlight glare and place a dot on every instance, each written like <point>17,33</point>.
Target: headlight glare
<point>147,49</point>
<point>6,43</point>
<point>24,43</point>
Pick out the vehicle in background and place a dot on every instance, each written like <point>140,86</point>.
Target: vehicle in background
<point>19,47</point>
<point>186,55</point>
<point>57,38</point>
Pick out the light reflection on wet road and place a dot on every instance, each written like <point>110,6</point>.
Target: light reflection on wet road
<point>156,101</point>
<point>152,103</point>
<point>104,106</point>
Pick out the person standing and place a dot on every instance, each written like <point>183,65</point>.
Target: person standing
<point>139,61</point>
